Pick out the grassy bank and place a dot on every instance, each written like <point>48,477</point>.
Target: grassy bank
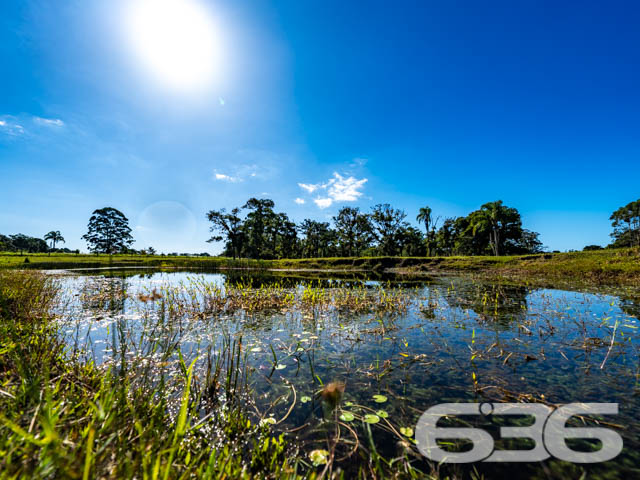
<point>614,267</point>
<point>621,266</point>
<point>71,260</point>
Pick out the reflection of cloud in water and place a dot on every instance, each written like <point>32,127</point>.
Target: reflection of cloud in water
<point>165,226</point>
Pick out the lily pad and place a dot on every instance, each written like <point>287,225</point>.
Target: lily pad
<point>382,414</point>
<point>371,418</point>
<point>318,457</point>
<point>305,398</point>
<point>379,398</point>
<point>347,417</point>
<point>406,431</point>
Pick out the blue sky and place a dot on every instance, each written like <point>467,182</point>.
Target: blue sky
<point>318,105</point>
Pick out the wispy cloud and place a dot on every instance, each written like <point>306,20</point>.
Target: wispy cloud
<point>48,122</point>
<point>227,178</point>
<point>299,201</point>
<point>242,172</point>
<point>9,126</point>
<point>359,162</point>
<point>338,189</point>
<point>309,187</point>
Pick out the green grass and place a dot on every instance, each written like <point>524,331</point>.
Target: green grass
<point>614,266</point>
<point>71,260</point>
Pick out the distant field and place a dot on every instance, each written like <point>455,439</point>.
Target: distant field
<point>621,266</point>
<point>71,260</point>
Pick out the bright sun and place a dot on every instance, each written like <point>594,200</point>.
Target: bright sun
<point>175,40</point>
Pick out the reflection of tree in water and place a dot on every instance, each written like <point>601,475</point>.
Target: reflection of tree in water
<point>490,301</point>
<point>104,294</point>
<point>327,280</point>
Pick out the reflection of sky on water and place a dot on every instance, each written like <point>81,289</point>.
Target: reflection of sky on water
<point>546,343</point>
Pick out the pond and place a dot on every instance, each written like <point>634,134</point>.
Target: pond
<point>368,356</point>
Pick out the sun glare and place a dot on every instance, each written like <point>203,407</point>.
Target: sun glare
<point>175,40</point>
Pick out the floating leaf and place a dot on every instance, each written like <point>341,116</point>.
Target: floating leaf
<point>347,417</point>
<point>305,399</point>
<point>379,398</point>
<point>371,418</point>
<point>256,349</point>
<point>406,431</point>
<point>268,421</point>
<point>348,404</point>
<point>280,366</point>
<point>319,457</point>
<point>382,414</point>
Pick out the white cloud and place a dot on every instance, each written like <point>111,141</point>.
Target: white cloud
<point>299,201</point>
<point>226,178</point>
<point>10,127</point>
<point>345,189</point>
<point>339,189</point>
<point>49,122</point>
<point>323,202</point>
<point>309,187</point>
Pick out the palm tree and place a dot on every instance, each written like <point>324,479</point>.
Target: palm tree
<point>54,237</point>
<point>424,216</point>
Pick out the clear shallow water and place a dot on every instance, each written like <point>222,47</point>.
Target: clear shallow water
<point>451,340</point>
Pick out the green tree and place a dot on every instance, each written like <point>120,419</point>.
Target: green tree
<point>411,242</point>
<point>353,230</point>
<point>22,243</point>
<point>444,240</point>
<point>54,237</point>
<point>319,239</point>
<point>229,226</point>
<point>626,225</point>
<point>6,245</point>
<point>425,216</point>
<point>255,226</point>
<point>108,231</point>
<point>388,223</point>
<point>500,222</point>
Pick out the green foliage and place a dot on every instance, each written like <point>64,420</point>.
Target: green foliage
<point>54,237</point>
<point>108,231</point>
<point>266,234</point>
<point>626,225</point>
<point>22,243</point>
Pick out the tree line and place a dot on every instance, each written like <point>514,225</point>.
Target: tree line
<point>256,230</point>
